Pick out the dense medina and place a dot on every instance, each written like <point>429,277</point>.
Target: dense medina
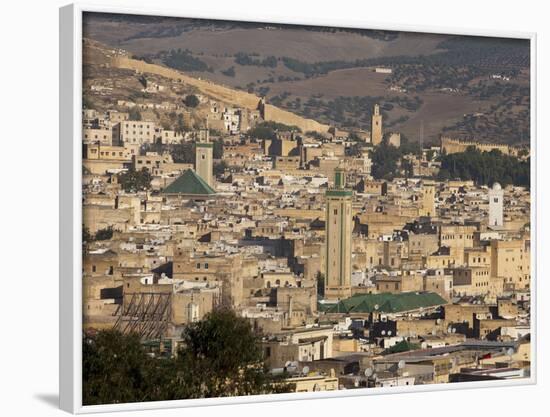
<point>348,281</point>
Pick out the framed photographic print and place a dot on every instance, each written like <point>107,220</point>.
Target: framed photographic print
<point>267,210</point>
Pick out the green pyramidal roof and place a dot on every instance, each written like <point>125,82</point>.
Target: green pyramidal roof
<point>386,302</point>
<point>189,183</point>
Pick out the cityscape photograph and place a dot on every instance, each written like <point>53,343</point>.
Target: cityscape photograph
<point>273,208</point>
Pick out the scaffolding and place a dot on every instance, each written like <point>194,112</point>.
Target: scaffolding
<point>145,313</point>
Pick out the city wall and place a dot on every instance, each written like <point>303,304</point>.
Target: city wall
<point>450,146</point>
<point>221,93</point>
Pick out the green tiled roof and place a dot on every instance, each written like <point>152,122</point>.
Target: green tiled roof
<point>387,303</point>
<point>189,183</point>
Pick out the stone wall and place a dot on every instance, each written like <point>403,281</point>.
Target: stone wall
<point>224,94</point>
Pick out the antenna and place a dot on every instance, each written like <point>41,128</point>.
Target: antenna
<point>421,135</point>
<point>305,370</point>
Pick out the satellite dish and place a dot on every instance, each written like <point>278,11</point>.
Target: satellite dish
<point>389,332</point>
<point>374,376</point>
<point>510,352</point>
<point>401,364</point>
<point>376,306</point>
<point>369,372</point>
<point>454,330</point>
<point>305,370</point>
<point>383,332</point>
<point>449,329</point>
<point>438,321</point>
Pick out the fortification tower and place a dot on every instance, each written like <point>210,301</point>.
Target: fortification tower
<point>338,239</point>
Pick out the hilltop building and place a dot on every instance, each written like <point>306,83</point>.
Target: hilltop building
<point>376,126</point>
<point>338,238</point>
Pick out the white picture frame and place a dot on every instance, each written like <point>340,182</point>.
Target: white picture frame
<point>70,288</point>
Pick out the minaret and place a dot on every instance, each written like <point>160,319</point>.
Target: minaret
<point>338,239</point>
<point>376,126</point>
<point>428,199</point>
<point>496,200</point>
<point>203,157</point>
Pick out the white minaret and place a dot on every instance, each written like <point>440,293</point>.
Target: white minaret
<point>496,204</point>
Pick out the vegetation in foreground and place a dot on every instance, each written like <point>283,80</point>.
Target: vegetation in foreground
<point>220,356</point>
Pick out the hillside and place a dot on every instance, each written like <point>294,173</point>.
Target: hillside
<point>98,55</point>
<point>443,83</point>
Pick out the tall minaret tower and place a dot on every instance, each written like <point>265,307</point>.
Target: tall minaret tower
<point>338,239</point>
<point>204,157</point>
<point>496,204</point>
<point>376,126</point>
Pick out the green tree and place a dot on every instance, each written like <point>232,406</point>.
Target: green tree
<point>116,369</point>
<point>223,357</point>
<point>229,72</point>
<point>191,100</point>
<point>384,161</point>
<point>183,152</point>
<point>133,181</point>
<point>217,151</point>
<point>86,235</point>
<point>220,356</point>
<point>104,234</point>
<point>134,114</point>
<point>219,167</point>
<point>320,277</point>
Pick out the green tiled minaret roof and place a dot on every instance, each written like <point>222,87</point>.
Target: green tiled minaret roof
<point>189,183</point>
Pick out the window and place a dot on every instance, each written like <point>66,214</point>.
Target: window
<point>198,266</point>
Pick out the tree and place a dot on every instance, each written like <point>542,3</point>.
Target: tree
<point>384,161</point>
<point>116,369</point>
<point>229,72</point>
<point>183,152</point>
<point>223,357</point>
<point>486,168</point>
<point>104,234</point>
<point>191,100</point>
<point>133,181</point>
<point>220,356</point>
<point>143,81</point>
<point>86,235</point>
<point>219,168</point>
<point>87,102</point>
<point>217,151</point>
<point>180,124</point>
<point>134,114</point>
<point>320,277</point>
